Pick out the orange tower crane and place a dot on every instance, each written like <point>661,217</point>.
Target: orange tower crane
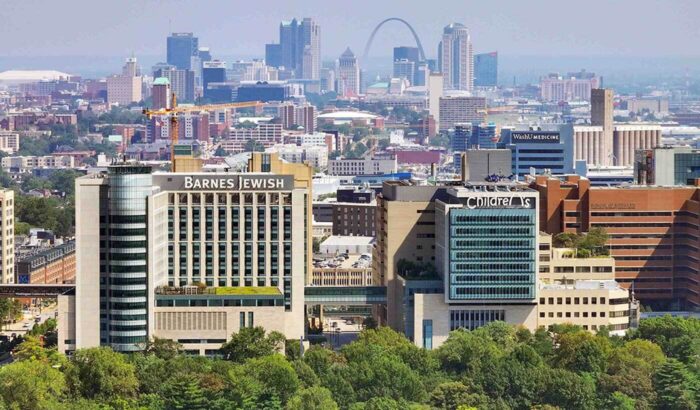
<point>174,110</point>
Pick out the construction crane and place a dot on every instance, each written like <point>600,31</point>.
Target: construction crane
<point>174,110</point>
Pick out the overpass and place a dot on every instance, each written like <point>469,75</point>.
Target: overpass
<point>316,295</point>
<point>345,295</point>
<point>27,290</point>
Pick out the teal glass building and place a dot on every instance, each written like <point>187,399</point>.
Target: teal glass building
<point>492,254</point>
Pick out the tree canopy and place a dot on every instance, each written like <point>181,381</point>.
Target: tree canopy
<point>497,366</point>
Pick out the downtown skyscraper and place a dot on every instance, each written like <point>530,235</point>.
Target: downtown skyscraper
<point>299,49</point>
<point>455,58</point>
<point>181,48</point>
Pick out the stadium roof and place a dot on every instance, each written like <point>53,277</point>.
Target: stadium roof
<point>18,76</point>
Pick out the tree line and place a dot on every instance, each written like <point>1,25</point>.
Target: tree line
<point>497,366</point>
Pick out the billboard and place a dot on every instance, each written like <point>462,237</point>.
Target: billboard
<point>525,137</point>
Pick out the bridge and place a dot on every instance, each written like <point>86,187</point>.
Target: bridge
<point>27,290</point>
<point>317,295</point>
<point>345,295</point>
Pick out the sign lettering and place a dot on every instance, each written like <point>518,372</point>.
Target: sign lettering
<point>551,137</point>
<point>474,202</point>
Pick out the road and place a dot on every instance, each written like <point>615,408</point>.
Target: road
<point>347,334</point>
<point>29,319</point>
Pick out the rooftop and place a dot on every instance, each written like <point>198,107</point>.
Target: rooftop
<point>338,240</point>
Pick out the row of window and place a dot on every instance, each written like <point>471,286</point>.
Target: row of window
<point>230,198</point>
<point>576,301</point>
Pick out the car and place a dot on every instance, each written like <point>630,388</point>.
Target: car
<point>334,324</point>
<point>26,326</point>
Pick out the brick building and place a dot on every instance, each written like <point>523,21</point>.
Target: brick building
<point>654,232</point>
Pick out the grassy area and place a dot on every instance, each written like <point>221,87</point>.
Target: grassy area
<point>250,290</point>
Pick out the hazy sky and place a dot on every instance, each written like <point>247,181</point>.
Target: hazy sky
<point>518,27</point>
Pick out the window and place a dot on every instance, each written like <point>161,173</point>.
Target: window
<point>427,334</point>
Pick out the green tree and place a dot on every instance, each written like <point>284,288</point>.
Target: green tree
<point>31,349</point>
<point>675,387</point>
<point>451,395</point>
<point>182,392</point>
<point>306,374</point>
<point>568,390</point>
<point>582,352</point>
<point>163,348</point>
<point>253,146</point>
<point>619,401</point>
<point>276,375</point>
<point>312,398</point>
<point>102,374</point>
<point>381,403</point>
<point>22,228</point>
<point>466,353</point>
<point>678,337</point>
<point>251,342</point>
<point>31,385</point>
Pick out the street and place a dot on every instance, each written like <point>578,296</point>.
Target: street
<point>28,321</point>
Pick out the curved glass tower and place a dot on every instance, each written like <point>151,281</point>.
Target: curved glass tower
<point>126,289</point>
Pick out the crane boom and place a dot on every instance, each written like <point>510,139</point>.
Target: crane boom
<point>174,110</point>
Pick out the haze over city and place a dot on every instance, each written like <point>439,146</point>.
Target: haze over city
<point>359,205</point>
<point>655,37</point>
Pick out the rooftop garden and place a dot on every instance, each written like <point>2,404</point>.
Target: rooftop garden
<point>589,245</point>
<point>410,270</point>
<point>202,289</point>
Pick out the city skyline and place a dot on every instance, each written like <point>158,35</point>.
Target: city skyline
<point>515,29</point>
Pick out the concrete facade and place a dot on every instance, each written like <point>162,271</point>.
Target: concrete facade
<point>7,236</point>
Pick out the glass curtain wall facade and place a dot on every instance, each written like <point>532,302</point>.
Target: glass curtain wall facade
<point>124,280</point>
<point>492,254</point>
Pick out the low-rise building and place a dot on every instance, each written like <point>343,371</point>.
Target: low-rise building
<point>362,166</point>
<point>316,156</point>
<point>266,134</point>
<point>355,270</point>
<point>50,265</point>
<point>9,142</point>
<point>581,291</point>
<point>27,164</point>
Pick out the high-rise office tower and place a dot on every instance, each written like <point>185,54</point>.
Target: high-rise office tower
<point>204,54</point>
<point>435,92</point>
<point>182,82</point>
<point>131,69</point>
<point>181,48</point>
<point>348,74</point>
<point>160,93</point>
<point>406,53</point>
<point>125,89</point>
<point>299,49</point>
<point>486,69</point>
<point>212,72</point>
<point>602,116</point>
<point>273,55</point>
<point>310,49</point>
<point>327,79</point>
<point>456,60</point>
<point>7,236</point>
<point>405,69</point>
